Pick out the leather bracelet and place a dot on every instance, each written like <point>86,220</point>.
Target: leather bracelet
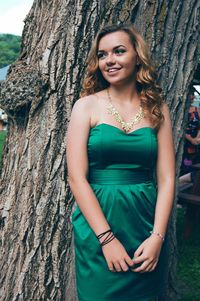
<point>158,234</point>
<point>109,237</point>
<point>103,233</point>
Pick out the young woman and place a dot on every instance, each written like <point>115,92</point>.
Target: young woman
<point>121,168</point>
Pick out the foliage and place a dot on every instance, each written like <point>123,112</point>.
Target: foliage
<point>9,49</point>
<point>188,261</point>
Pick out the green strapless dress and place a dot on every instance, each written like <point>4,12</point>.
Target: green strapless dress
<point>122,176</point>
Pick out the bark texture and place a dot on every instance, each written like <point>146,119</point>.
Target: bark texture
<point>41,87</point>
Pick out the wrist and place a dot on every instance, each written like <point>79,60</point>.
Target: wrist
<point>105,237</point>
<point>158,235</point>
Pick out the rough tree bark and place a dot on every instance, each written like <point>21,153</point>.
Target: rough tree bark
<point>35,201</point>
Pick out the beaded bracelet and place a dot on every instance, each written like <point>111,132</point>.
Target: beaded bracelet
<point>158,234</point>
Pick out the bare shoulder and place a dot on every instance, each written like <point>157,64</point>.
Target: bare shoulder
<point>82,112</point>
<point>90,107</point>
<point>85,103</point>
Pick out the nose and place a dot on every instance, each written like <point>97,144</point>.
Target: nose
<point>110,60</point>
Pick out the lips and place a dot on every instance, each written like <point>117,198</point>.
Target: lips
<point>112,70</point>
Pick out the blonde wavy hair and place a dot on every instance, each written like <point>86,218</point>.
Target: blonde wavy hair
<point>149,91</point>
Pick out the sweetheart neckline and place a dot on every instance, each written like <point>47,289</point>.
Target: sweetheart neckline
<point>115,127</point>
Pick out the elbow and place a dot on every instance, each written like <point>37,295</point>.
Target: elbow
<point>167,180</point>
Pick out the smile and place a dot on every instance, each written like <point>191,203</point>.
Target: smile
<point>113,70</point>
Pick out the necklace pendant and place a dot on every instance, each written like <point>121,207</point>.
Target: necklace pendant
<point>126,126</point>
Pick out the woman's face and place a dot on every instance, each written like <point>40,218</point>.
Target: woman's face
<point>117,58</point>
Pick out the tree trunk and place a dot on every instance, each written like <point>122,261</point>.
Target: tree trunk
<point>41,87</point>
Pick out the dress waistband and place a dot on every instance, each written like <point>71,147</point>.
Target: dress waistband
<point>117,176</point>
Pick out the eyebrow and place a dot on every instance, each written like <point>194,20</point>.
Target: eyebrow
<point>100,50</point>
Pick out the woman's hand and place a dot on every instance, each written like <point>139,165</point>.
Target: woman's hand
<point>116,256</point>
<point>147,254</point>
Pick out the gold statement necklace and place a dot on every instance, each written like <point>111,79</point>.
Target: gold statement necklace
<point>126,126</point>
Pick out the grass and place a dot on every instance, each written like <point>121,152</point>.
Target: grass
<point>188,270</point>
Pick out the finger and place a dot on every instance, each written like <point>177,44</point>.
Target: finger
<point>142,268</point>
<point>138,262</point>
<point>139,259</point>
<point>111,267</point>
<point>129,261</point>
<point>117,266</point>
<point>123,265</point>
<point>153,267</point>
<point>148,268</point>
<point>139,251</point>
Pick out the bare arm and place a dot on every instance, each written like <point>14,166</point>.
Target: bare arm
<point>148,252</point>
<point>165,174</point>
<point>77,163</point>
